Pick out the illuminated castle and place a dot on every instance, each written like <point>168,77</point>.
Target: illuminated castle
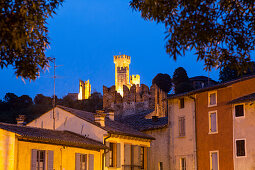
<point>84,90</point>
<point>122,73</point>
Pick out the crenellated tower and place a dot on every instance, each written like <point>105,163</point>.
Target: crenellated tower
<point>121,72</point>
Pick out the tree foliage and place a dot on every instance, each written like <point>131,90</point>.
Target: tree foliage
<point>181,81</point>
<point>220,31</point>
<point>228,72</point>
<point>24,35</point>
<point>163,81</point>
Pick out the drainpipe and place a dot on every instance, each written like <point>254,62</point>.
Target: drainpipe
<point>105,150</point>
<point>195,132</point>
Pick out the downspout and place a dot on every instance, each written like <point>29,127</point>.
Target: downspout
<point>105,151</point>
<point>195,132</point>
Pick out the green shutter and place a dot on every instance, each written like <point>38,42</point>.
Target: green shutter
<point>50,160</point>
<point>118,156</point>
<point>91,162</point>
<point>77,161</point>
<point>33,159</point>
<point>107,155</point>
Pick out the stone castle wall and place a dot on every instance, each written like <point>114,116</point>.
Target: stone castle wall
<point>135,100</point>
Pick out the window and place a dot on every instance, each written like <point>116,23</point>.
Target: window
<point>239,110</point>
<point>213,127</point>
<point>183,164</point>
<point>214,160</point>
<point>212,99</point>
<point>160,165</point>
<point>84,161</point>
<point>112,154</point>
<point>181,103</point>
<point>38,160</point>
<point>181,126</point>
<point>142,156</point>
<point>240,148</point>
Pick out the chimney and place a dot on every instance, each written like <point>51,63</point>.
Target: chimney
<point>21,120</point>
<point>154,118</point>
<point>100,117</point>
<point>110,114</point>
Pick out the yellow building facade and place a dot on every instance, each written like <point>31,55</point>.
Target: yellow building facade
<point>26,148</point>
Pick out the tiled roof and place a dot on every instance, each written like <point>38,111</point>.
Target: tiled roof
<point>173,96</point>
<point>247,98</point>
<point>113,127</point>
<point>139,122</point>
<point>52,136</point>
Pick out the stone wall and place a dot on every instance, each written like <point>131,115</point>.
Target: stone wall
<point>135,99</point>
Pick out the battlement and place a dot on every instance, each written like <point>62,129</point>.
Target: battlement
<point>135,79</point>
<point>122,59</point>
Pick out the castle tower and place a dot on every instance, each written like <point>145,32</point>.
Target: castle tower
<point>121,72</point>
<point>135,79</point>
<point>84,90</point>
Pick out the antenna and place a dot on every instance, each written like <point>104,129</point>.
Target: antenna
<point>54,95</point>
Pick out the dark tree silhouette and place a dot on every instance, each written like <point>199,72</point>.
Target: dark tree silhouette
<point>163,81</point>
<point>181,81</point>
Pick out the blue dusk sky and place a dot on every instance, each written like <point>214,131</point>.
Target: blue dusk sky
<point>84,36</point>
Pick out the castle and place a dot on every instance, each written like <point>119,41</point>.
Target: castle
<point>128,96</point>
<point>122,73</point>
<point>84,90</point>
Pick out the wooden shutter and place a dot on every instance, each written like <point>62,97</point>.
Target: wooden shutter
<point>213,122</point>
<point>107,155</point>
<point>50,160</point>
<point>91,162</point>
<point>33,159</point>
<point>118,156</point>
<point>148,158</point>
<point>77,161</point>
<point>127,154</point>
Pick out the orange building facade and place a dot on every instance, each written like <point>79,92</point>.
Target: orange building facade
<point>214,123</point>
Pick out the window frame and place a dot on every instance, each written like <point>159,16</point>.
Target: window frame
<point>142,157</point>
<point>38,158</point>
<point>113,163</point>
<point>181,167</point>
<point>209,99</point>
<point>245,151</point>
<point>243,110</point>
<point>218,158</point>
<point>209,121</point>
<point>179,127</point>
<point>86,161</point>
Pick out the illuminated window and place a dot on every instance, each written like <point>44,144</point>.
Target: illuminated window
<point>212,99</point>
<point>239,110</point>
<point>183,164</point>
<point>240,148</point>
<point>213,128</point>
<point>181,126</point>
<point>160,165</point>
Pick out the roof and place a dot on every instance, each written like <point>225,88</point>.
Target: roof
<point>246,98</point>
<point>52,136</point>
<point>173,96</point>
<point>112,127</point>
<point>139,122</point>
<point>201,78</point>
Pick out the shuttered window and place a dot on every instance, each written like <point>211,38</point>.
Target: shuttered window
<point>38,159</point>
<point>240,147</point>
<point>84,161</point>
<point>214,162</point>
<point>181,126</point>
<point>212,99</point>
<point>213,122</point>
<point>113,156</point>
<point>181,103</point>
